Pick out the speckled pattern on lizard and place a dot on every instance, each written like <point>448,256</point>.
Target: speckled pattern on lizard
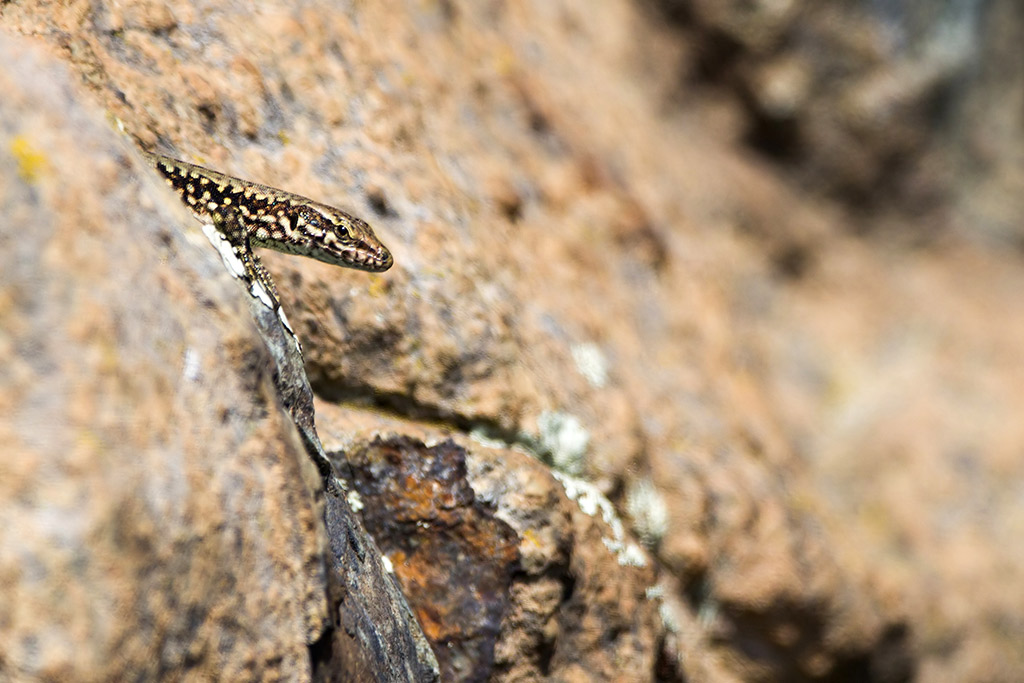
<point>251,215</point>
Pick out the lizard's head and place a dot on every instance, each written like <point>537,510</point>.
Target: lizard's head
<point>337,238</point>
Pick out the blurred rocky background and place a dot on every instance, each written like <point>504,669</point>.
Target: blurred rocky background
<point>700,360</point>
<point>906,111</point>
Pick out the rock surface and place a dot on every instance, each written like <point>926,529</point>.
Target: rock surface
<point>799,441</point>
<point>162,516</point>
<point>576,598</point>
<point>158,516</point>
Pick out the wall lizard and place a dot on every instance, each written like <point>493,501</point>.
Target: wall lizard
<point>251,215</point>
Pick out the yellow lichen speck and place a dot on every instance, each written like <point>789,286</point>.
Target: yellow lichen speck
<point>30,161</point>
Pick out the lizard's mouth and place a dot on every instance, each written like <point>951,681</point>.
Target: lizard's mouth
<point>376,261</point>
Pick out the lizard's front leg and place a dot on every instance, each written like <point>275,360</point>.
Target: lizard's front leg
<point>230,227</point>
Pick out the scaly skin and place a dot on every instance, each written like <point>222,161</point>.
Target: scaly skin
<point>252,215</point>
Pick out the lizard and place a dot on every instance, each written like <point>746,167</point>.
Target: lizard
<point>247,215</point>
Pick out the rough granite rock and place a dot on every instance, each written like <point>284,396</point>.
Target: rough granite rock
<point>158,515</point>
<point>453,557</point>
<point>582,602</point>
<point>162,515</point>
<point>813,432</point>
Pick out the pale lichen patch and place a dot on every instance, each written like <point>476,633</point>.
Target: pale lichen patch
<point>563,441</point>
<point>591,363</point>
<point>592,502</point>
<point>648,510</point>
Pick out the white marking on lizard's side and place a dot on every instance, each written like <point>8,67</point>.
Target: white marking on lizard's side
<point>284,321</point>
<point>260,292</point>
<point>223,247</point>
